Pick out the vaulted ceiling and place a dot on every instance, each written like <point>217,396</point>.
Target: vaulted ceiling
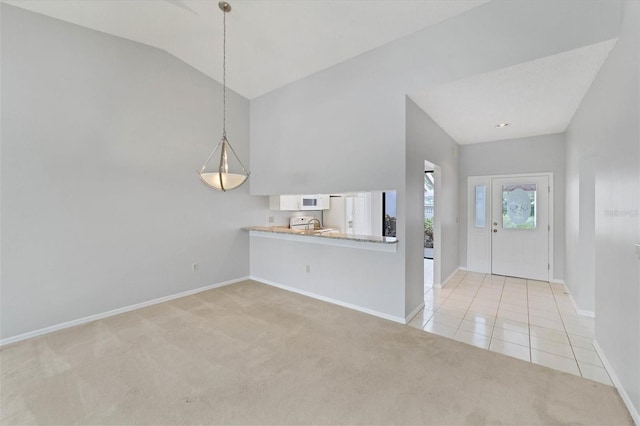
<point>272,43</point>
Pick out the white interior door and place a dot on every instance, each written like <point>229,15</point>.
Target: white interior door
<point>520,227</point>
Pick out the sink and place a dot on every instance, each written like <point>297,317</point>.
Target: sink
<point>309,231</point>
<point>325,231</point>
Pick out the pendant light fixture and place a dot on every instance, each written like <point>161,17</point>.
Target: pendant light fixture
<point>230,172</point>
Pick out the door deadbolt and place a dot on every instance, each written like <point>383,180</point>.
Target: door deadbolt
<point>495,230</point>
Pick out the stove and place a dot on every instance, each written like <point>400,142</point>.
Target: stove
<point>303,222</point>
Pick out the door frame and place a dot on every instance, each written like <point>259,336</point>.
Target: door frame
<point>484,265</point>
<point>437,226</point>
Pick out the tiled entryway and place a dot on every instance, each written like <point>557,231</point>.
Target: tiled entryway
<point>531,320</point>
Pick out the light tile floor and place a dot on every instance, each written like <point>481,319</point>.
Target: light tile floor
<point>428,272</point>
<point>531,320</point>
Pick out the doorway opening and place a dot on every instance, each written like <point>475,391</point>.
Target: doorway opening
<point>429,188</point>
<point>431,246</point>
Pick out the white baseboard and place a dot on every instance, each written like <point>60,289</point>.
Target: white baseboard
<point>582,312</point>
<point>414,313</point>
<point>330,300</point>
<point>113,312</point>
<point>444,283</point>
<point>616,382</point>
<point>579,311</point>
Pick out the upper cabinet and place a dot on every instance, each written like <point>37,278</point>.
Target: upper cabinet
<point>299,202</point>
<point>284,202</point>
<point>325,201</point>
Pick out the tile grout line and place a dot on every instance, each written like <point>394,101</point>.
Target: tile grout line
<point>551,329</point>
<point>440,304</point>
<point>451,294</point>
<point>467,311</point>
<point>529,323</point>
<point>575,358</point>
<point>497,310</point>
<point>425,306</point>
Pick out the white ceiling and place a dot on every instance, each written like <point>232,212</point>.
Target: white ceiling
<point>536,98</point>
<point>274,42</point>
<point>270,42</point>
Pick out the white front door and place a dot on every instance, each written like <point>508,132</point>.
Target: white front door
<point>520,227</point>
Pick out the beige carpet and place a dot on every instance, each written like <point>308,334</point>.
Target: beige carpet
<point>248,353</point>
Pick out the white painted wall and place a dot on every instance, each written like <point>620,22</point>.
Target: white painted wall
<point>350,276</point>
<point>580,252</point>
<point>101,204</point>
<point>603,174</point>
<point>537,154</point>
<point>427,141</point>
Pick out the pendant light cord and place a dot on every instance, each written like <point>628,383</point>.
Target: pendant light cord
<point>224,75</point>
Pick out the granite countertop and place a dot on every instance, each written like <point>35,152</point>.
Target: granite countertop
<point>324,233</point>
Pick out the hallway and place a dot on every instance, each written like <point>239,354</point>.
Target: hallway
<point>531,320</point>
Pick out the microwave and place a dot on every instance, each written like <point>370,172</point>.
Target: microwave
<point>310,202</point>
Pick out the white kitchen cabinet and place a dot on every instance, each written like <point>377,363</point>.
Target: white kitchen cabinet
<point>284,202</point>
<point>324,201</point>
<point>294,202</point>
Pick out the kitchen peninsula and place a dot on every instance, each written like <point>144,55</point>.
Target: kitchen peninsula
<point>326,236</point>
<point>338,254</point>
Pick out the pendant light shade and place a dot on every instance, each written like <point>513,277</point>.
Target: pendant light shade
<point>223,170</point>
<point>221,178</point>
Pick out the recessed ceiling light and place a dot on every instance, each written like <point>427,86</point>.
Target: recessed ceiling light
<point>501,125</point>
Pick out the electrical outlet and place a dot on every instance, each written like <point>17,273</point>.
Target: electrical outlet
<point>271,219</point>
<point>308,268</point>
<point>195,267</point>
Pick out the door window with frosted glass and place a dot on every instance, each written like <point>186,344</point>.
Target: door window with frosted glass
<point>519,206</point>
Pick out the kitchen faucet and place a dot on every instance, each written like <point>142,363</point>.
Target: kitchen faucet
<point>312,221</point>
